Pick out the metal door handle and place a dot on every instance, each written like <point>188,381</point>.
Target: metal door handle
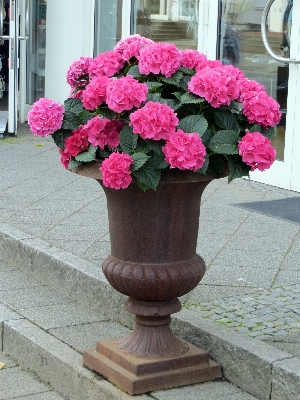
<point>1,18</point>
<point>265,39</point>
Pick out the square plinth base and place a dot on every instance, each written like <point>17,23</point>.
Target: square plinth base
<point>136,375</point>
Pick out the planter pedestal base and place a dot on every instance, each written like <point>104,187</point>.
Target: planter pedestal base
<point>136,375</point>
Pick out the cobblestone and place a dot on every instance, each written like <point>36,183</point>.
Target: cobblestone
<point>262,315</point>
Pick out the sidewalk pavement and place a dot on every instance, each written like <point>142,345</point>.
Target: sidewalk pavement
<point>252,283</point>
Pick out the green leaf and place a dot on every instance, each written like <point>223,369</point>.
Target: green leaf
<point>174,79</point>
<point>60,136</point>
<point>206,137</point>
<point>148,176</point>
<point>225,142</point>
<point>139,160</point>
<point>70,121</point>
<point>155,145</point>
<point>154,97</point>
<point>128,140</point>
<point>152,86</point>
<point>255,128</point>
<point>237,168</point>
<point>87,156</point>
<point>187,71</point>
<point>269,133</point>
<point>215,166</point>
<point>134,71</point>
<point>172,103</point>
<point>73,163</point>
<point>84,116</point>
<point>204,167</point>
<point>159,161</point>
<point>235,107</point>
<point>193,123</point>
<point>184,82</point>
<point>227,120</point>
<point>106,113</point>
<point>73,105</point>
<point>190,98</point>
<point>177,95</point>
<point>103,153</point>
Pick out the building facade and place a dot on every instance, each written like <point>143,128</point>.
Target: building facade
<point>51,34</point>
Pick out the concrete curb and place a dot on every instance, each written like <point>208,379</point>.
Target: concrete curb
<point>254,366</point>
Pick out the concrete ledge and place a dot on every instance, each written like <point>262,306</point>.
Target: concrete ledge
<point>56,364</point>
<point>256,367</point>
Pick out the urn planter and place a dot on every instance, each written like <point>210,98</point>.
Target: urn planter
<point>153,261</point>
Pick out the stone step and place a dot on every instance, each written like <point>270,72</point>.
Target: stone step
<point>57,304</point>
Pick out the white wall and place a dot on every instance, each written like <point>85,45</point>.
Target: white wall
<point>69,35</point>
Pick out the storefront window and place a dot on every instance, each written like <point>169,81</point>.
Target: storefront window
<point>240,44</point>
<point>36,51</point>
<point>173,21</point>
<point>108,24</point>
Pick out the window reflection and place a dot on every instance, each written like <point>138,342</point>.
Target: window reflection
<point>174,21</point>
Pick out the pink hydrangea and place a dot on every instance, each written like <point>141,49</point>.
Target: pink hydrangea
<point>78,142</point>
<point>208,63</point>
<point>256,151</point>
<point>159,58</point>
<point>102,132</point>
<point>260,108</point>
<point>45,117</point>
<point>116,171</point>
<point>216,85</point>
<point>130,46</point>
<point>76,94</point>
<point>184,151</point>
<point>64,157</point>
<point>106,64</point>
<point>191,58</point>
<point>125,93</point>
<point>247,86</point>
<point>77,70</point>
<point>95,92</point>
<point>154,121</point>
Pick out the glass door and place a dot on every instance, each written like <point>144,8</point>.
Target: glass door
<point>240,43</point>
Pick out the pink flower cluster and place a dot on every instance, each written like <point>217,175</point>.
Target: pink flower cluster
<point>130,47</point>
<point>260,108</point>
<point>102,132</point>
<point>106,64</point>
<point>64,157</point>
<point>125,93</point>
<point>154,121</point>
<point>159,58</point>
<point>192,59</point>
<point>95,92</point>
<point>77,143</point>
<point>256,151</point>
<point>116,171</point>
<point>216,85</point>
<point>184,151</point>
<point>78,69</point>
<point>45,117</point>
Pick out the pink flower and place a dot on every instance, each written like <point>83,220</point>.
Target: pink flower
<point>130,47</point>
<point>77,70</point>
<point>78,142</point>
<point>106,64</point>
<point>116,171</point>
<point>159,58</point>
<point>45,117</point>
<point>184,151</point>
<point>216,85</point>
<point>191,58</point>
<point>95,92</point>
<point>102,132</point>
<point>256,151</point>
<point>247,85</point>
<point>64,157</point>
<point>154,121</point>
<point>260,108</point>
<point>125,93</point>
<point>208,63</point>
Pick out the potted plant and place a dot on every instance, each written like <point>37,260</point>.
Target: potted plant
<point>154,125</point>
